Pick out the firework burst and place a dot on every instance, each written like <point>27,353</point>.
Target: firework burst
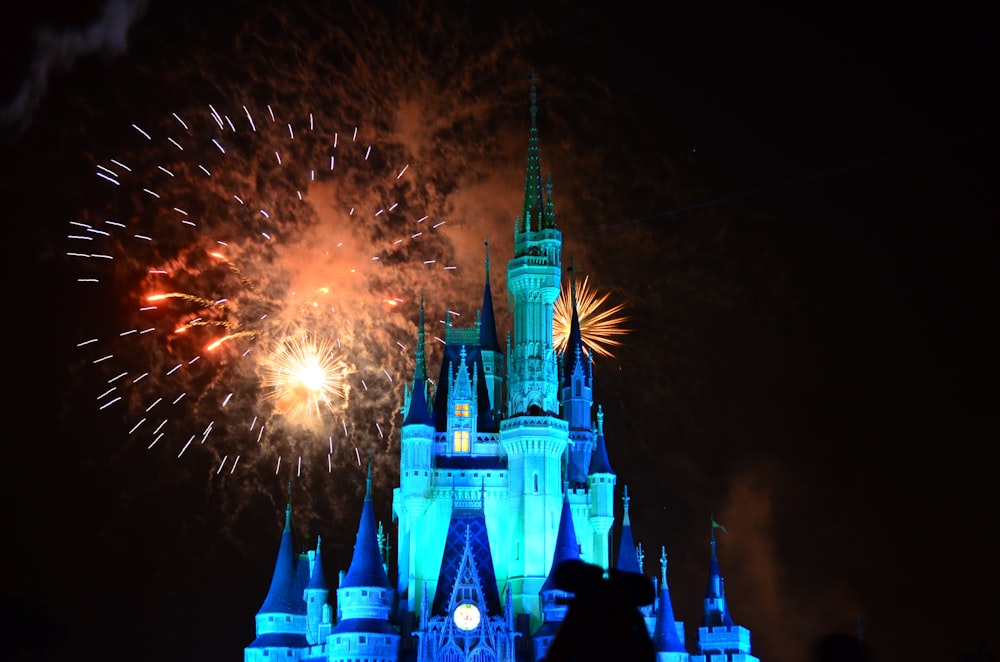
<point>258,266</point>
<point>601,325</point>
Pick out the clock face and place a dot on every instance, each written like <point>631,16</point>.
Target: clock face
<point>466,616</point>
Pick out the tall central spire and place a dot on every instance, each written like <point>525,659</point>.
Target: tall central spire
<point>537,212</point>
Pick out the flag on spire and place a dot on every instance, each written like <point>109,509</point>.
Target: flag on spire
<point>716,525</point>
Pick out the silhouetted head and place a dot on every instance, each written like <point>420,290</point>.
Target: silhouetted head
<point>603,621</point>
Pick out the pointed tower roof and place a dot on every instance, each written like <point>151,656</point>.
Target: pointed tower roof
<point>281,598</point>
<point>317,580</point>
<point>566,545</point>
<point>487,324</point>
<point>628,559</point>
<point>536,214</point>
<point>576,353</point>
<point>716,607</point>
<point>599,463</point>
<point>419,412</point>
<point>665,636</point>
<point>366,569</point>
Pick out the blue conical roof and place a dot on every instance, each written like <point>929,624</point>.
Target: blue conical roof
<point>665,636</point>
<point>716,605</point>
<point>599,463</point>
<point>487,323</point>
<point>280,596</point>
<point>575,352</point>
<point>317,580</point>
<point>419,413</point>
<point>366,567</point>
<point>566,545</point>
<point>628,559</point>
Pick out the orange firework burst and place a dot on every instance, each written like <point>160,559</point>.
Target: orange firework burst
<point>600,326</point>
<point>306,377</point>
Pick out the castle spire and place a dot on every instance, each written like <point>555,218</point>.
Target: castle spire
<point>418,412</point>
<point>366,569</point>
<point>716,610</point>
<point>487,324</point>
<point>280,599</point>
<point>628,557</point>
<point>537,212</point>
<point>665,633</point>
<point>599,463</point>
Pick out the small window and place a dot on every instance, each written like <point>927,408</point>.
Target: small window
<point>462,409</point>
<point>460,442</point>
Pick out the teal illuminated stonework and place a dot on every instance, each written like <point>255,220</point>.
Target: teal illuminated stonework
<point>504,472</point>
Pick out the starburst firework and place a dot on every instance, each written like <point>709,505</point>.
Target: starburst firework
<point>305,377</point>
<point>600,326</point>
<point>259,263</point>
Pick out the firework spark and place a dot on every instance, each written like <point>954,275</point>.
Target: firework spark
<point>600,326</point>
<point>306,377</point>
<point>260,265</point>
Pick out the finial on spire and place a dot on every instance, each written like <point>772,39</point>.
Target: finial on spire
<point>534,97</point>
<point>663,566</point>
<point>420,367</point>
<point>368,480</point>
<point>572,270</point>
<point>600,420</point>
<point>487,243</point>
<point>625,500</point>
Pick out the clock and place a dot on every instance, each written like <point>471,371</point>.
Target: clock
<point>466,616</point>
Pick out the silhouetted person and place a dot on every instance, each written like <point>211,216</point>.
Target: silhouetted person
<point>603,621</point>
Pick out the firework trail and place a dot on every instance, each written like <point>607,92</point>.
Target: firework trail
<point>228,232</point>
<point>241,255</point>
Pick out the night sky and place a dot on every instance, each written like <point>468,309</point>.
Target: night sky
<point>797,204</point>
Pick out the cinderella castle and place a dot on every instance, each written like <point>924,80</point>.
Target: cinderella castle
<point>504,474</point>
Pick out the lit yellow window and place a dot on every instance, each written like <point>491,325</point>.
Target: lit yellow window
<point>461,441</point>
<point>462,410</point>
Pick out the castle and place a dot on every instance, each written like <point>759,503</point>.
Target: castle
<point>503,475</point>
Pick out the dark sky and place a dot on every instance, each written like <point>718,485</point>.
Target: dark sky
<point>796,203</point>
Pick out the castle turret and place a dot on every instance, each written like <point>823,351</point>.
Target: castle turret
<point>601,481</point>
<point>364,598</point>
<point>577,399</point>
<point>668,634</point>
<point>628,557</point>
<point>281,619</point>
<point>317,593</point>
<point>719,638</point>
<point>415,467</point>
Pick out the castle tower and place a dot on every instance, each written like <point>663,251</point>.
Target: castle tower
<point>601,481</point>
<point>668,634</point>
<point>364,599</point>
<point>577,397</point>
<point>719,638</point>
<point>281,620</point>
<point>411,498</point>
<point>534,437</point>
<point>317,593</point>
